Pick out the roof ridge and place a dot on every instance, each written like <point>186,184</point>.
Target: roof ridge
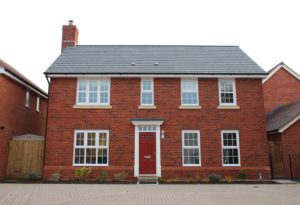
<point>183,45</point>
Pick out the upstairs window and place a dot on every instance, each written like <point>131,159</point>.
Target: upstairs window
<point>91,147</point>
<point>93,92</point>
<point>27,100</point>
<point>147,92</point>
<point>230,148</point>
<point>227,92</point>
<point>189,92</point>
<point>191,147</point>
<point>38,104</point>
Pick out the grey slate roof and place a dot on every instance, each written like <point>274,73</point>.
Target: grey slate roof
<point>141,59</point>
<point>281,115</point>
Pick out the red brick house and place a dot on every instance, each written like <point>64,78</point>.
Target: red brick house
<point>162,111</point>
<point>22,109</point>
<point>282,104</point>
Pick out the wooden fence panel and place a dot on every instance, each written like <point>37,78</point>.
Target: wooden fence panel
<point>276,157</point>
<point>25,156</point>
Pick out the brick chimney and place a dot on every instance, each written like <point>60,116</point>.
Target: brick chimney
<point>69,35</point>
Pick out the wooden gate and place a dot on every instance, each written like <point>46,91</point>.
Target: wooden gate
<point>276,159</point>
<point>25,156</point>
<point>295,165</point>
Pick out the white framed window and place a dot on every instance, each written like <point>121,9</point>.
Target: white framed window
<point>93,92</point>
<point>38,104</point>
<point>91,148</point>
<point>147,92</point>
<point>27,100</point>
<point>189,92</point>
<point>230,148</point>
<point>191,148</point>
<point>227,92</point>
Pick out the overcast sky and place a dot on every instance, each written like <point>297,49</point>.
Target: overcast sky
<point>30,34</point>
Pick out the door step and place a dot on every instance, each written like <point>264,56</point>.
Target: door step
<point>148,179</point>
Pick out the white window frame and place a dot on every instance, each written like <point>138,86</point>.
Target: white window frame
<point>191,147</point>
<point>85,146</point>
<point>147,91</point>
<point>27,99</point>
<point>197,90</point>
<point>87,91</point>
<point>231,147</point>
<point>38,104</point>
<point>233,89</point>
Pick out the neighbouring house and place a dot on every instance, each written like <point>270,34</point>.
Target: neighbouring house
<point>155,110</point>
<point>22,109</point>
<point>282,104</point>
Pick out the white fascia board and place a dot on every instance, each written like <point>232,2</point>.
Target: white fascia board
<point>152,76</point>
<point>293,73</point>
<point>2,71</point>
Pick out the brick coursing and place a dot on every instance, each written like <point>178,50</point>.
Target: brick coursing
<point>63,119</point>
<point>16,118</point>
<point>281,88</point>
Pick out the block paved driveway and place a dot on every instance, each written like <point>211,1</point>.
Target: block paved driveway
<point>74,194</point>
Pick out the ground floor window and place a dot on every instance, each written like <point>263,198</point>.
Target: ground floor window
<point>191,147</point>
<point>91,147</point>
<point>230,148</point>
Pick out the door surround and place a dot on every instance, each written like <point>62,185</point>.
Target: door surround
<point>152,125</point>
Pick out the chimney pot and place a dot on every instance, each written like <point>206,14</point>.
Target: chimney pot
<point>71,22</point>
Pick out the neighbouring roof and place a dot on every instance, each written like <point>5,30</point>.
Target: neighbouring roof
<point>279,66</point>
<point>154,59</point>
<point>15,73</point>
<point>283,117</point>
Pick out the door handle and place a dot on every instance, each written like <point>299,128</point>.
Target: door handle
<point>147,157</point>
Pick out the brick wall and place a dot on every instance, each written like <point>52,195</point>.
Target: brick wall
<point>281,88</point>
<point>63,119</point>
<point>290,144</point>
<point>16,118</point>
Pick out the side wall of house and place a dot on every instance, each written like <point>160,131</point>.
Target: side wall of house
<point>15,118</point>
<point>291,145</point>
<point>281,88</point>
<point>63,119</point>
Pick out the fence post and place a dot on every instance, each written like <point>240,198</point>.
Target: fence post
<point>271,166</point>
<point>291,167</point>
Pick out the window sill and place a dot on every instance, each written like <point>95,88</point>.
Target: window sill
<point>145,107</point>
<point>191,165</point>
<point>228,107</point>
<point>190,107</point>
<point>92,106</point>
<point>231,165</point>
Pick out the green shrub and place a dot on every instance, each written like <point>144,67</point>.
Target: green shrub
<point>32,176</point>
<point>214,178</point>
<point>56,176</point>
<point>121,176</point>
<point>82,173</point>
<point>242,176</point>
<point>102,176</point>
<point>228,179</point>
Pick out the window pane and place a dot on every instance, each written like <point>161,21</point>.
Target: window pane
<point>79,156</point>
<point>81,97</point>
<point>102,156</point>
<point>104,85</point>
<point>102,139</point>
<point>103,97</point>
<point>91,156</point>
<point>91,140</point>
<point>190,85</point>
<point>147,85</point>
<point>146,98</point>
<point>190,139</point>
<point>191,156</point>
<point>82,85</point>
<point>79,139</point>
<point>93,91</point>
<point>189,97</point>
